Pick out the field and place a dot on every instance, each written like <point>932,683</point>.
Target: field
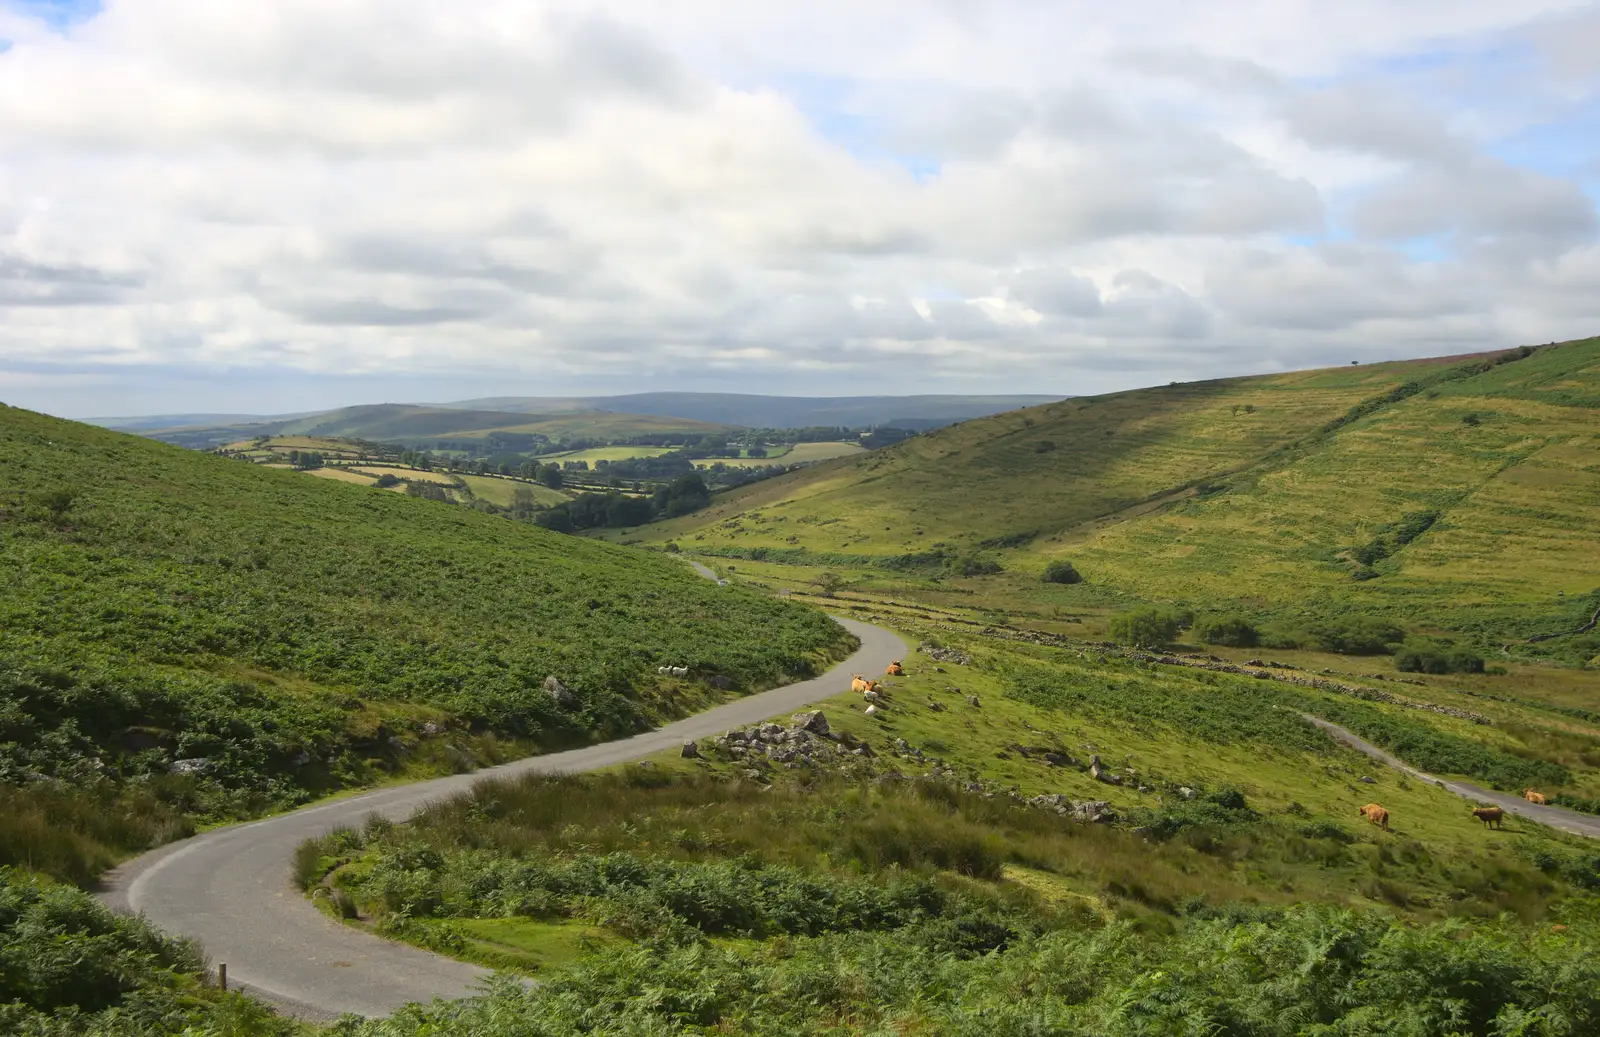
<point>608,453</point>
<point>799,453</point>
<point>503,492</point>
<point>411,474</point>
<point>290,636</point>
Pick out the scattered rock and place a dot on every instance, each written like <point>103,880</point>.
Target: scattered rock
<point>1059,760</point>
<point>944,655</point>
<point>1185,792</point>
<point>300,759</point>
<point>1099,773</point>
<point>812,721</point>
<point>972,700</point>
<point>872,711</point>
<point>1094,812</point>
<point>396,744</point>
<point>691,751</point>
<point>432,730</point>
<point>193,767</point>
<point>559,693</point>
<point>1367,779</point>
<point>871,696</point>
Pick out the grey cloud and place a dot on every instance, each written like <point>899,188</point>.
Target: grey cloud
<point>1486,206</point>
<point>1056,292</point>
<point>1224,75</point>
<point>1142,305</point>
<point>24,282</point>
<point>1336,287</point>
<point>1370,118</point>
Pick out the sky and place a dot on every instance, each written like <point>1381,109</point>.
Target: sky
<point>260,208</point>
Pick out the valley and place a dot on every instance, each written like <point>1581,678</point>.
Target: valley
<point>1104,795</point>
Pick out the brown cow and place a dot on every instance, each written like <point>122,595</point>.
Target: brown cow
<point>859,683</point>
<point>1376,814</point>
<point>894,670</point>
<point>1490,816</point>
<point>1533,797</point>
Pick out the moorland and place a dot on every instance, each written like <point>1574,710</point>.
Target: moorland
<point>1091,804</point>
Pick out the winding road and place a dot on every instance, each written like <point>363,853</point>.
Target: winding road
<point>1556,817</point>
<point>231,889</point>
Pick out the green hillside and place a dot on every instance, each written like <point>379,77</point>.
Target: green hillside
<point>1261,493</point>
<point>295,635</point>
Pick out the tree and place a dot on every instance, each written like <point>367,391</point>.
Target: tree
<point>1147,627</point>
<point>550,475</point>
<point>828,583</point>
<point>1061,571</point>
<point>1234,631</point>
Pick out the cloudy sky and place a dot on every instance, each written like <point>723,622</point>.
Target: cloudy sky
<point>280,206</point>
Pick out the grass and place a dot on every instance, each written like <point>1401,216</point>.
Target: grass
<point>503,491</point>
<point>609,453</point>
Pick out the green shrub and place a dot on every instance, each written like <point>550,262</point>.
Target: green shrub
<point>1061,571</point>
<point>1358,635</point>
<point>1147,627</point>
<point>976,565</point>
<point>1234,631</point>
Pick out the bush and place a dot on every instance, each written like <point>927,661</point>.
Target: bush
<point>976,565</point>
<point>1234,631</point>
<point>1422,659</point>
<point>1358,635</point>
<point>1148,627</point>
<point>1061,571</point>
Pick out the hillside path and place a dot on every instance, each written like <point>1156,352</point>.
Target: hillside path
<point>231,888</point>
<point>1556,817</point>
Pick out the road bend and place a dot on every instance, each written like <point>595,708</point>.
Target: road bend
<point>231,888</point>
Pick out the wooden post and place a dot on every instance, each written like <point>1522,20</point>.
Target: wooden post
<point>222,976</point>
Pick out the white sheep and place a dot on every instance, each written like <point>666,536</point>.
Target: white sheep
<point>680,671</point>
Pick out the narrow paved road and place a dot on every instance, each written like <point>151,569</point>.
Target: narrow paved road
<point>1556,817</point>
<point>231,889</point>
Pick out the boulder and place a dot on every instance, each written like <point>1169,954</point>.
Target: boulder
<point>300,759</point>
<point>1094,812</point>
<point>691,751</point>
<point>559,693</point>
<point>432,730</point>
<point>770,733</point>
<point>871,696</point>
<point>1185,792</point>
<point>972,700</point>
<point>872,711</point>
<point>812,721</point>
<point>1367,779</point>
<point>193,767</point>
<point>1059,759</point>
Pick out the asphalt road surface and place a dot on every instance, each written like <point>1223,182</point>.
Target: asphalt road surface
<point>231,888</point>
<point>1555,817</point>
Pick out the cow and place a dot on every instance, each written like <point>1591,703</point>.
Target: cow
<point>894,670</point>
<point>1490,816</point>
<point>1375,814</point>
<point>859,683</point>
<point>1533,797</point>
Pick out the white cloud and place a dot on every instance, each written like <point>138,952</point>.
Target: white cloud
<point>546,191</point>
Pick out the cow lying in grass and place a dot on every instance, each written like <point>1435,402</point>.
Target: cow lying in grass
<point>895,669</point>
<point>861,684</point>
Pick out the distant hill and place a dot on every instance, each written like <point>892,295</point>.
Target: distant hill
<point>755,411</point>
<point>411,423</point>
<point>594,417</point>
<point>1459,491</point>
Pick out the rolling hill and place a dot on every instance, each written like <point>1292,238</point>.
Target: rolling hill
<point>409,423</point>
<point>187,636</point>
<point>1262,493</point>
<point>602,418</point>
<point>756,411</point>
